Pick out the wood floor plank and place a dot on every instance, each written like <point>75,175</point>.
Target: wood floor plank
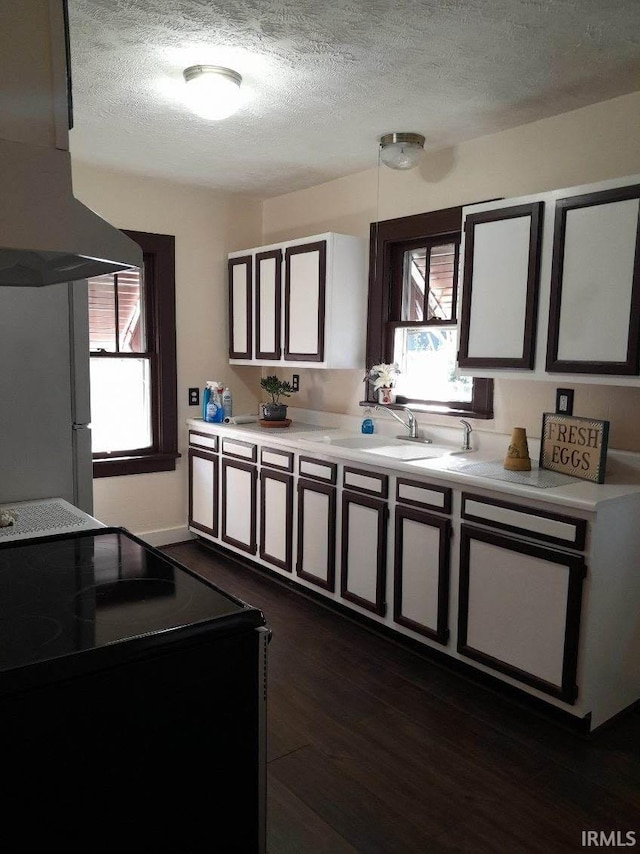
<point>372,748</point>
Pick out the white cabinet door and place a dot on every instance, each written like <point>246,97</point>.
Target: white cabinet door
<point>203,492</point>
<point>421,573</point>
<point>240,307</point>
<point>268,270</point>
<point>276,518</point>
<point>582,244</point>
<point>519,610</point>
<point>317,533</point>
<point>239,504</point>
<point>364,551</point>
<point>304,301</point>
<point>500,287</point>
<point>595,284</point>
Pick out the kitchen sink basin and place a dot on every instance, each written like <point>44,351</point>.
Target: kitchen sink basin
<point>410,451</point>
<point>383,446</point>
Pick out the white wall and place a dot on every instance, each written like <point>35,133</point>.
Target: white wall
<point>206,225</point>
<point>583,146</point>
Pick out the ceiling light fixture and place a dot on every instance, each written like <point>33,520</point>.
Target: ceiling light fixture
<point>213,92</point>
<point>401,150</point>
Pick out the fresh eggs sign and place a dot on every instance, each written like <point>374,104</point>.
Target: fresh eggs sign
<point>574,446</point>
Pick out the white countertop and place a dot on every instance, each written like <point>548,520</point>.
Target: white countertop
<point>622,477</point>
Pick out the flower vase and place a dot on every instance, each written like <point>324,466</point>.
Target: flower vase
<point>386,395</point>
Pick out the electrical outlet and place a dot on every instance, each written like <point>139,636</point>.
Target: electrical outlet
<point>295,382</point>
<point>564,401</point>
<point>194,397</point>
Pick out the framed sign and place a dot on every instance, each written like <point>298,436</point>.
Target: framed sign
<point>574,446</point>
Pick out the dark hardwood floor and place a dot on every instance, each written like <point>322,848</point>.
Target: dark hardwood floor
<point>371,748</point>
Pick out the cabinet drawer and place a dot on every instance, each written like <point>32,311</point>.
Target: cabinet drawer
<point>547,527</point>
<point>276,459</point>
<point>317,469</point>
<point>368,482</point>
<point>418,494</point>
<point>240,450</point>
<point>203,440</point>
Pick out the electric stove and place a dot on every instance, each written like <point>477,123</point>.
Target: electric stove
<point>135,675</point>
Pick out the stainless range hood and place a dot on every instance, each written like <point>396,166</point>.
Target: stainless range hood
<point>46,235</point>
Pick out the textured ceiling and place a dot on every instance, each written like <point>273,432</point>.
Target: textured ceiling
<point>324,80</point>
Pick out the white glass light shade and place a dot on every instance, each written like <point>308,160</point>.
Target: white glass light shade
<point>213,92</point>
<point>401,150</point>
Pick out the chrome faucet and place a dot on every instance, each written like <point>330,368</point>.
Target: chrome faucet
<point>468,430</point>
<point>411,424</point>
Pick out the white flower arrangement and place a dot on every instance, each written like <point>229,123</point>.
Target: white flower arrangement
<point>383,375</point>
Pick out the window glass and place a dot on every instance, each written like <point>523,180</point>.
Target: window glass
<point>427,360</point>
<point>116,313</point>
<point>120,386</point>
<point>428,287</point>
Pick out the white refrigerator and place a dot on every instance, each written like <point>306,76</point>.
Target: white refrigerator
<point>45,436</point>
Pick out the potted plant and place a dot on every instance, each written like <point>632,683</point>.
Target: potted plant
<point>275,388</point>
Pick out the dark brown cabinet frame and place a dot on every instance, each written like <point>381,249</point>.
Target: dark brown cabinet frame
<point>287,479</point>
<point>568,690</point>
<point>245,261</point>
<point>441,632</point>
<point>276,254</point>
<point>212,457</point>
<point>631,365</point>
<point>379,606</point>
<point>250,547</point>
<point>329,490</point>
<point>321,248</point>
<point>535,212</point>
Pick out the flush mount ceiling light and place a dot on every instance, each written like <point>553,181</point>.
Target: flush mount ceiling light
<point>213,92</point>
<point>401,150</point>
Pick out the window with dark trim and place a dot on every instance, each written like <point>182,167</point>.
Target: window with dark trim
<point>132,333</point>
<point>398,306</point>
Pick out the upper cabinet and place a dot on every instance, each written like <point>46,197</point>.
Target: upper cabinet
<point>299,303</point>
<point>551,286</point>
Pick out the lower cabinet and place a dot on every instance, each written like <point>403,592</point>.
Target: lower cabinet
<point>317,533</point>
<point>519,609</point>
<point>203,491</point>
<point>421,573</point>
<point>238,498</point>
<point>276,518</point>
<point>364,551</point>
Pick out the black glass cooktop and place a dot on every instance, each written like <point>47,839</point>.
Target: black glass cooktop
<point>96,590</point>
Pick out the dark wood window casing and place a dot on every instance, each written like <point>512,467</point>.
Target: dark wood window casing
<point>160,316</point>
<point>388,241</point>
